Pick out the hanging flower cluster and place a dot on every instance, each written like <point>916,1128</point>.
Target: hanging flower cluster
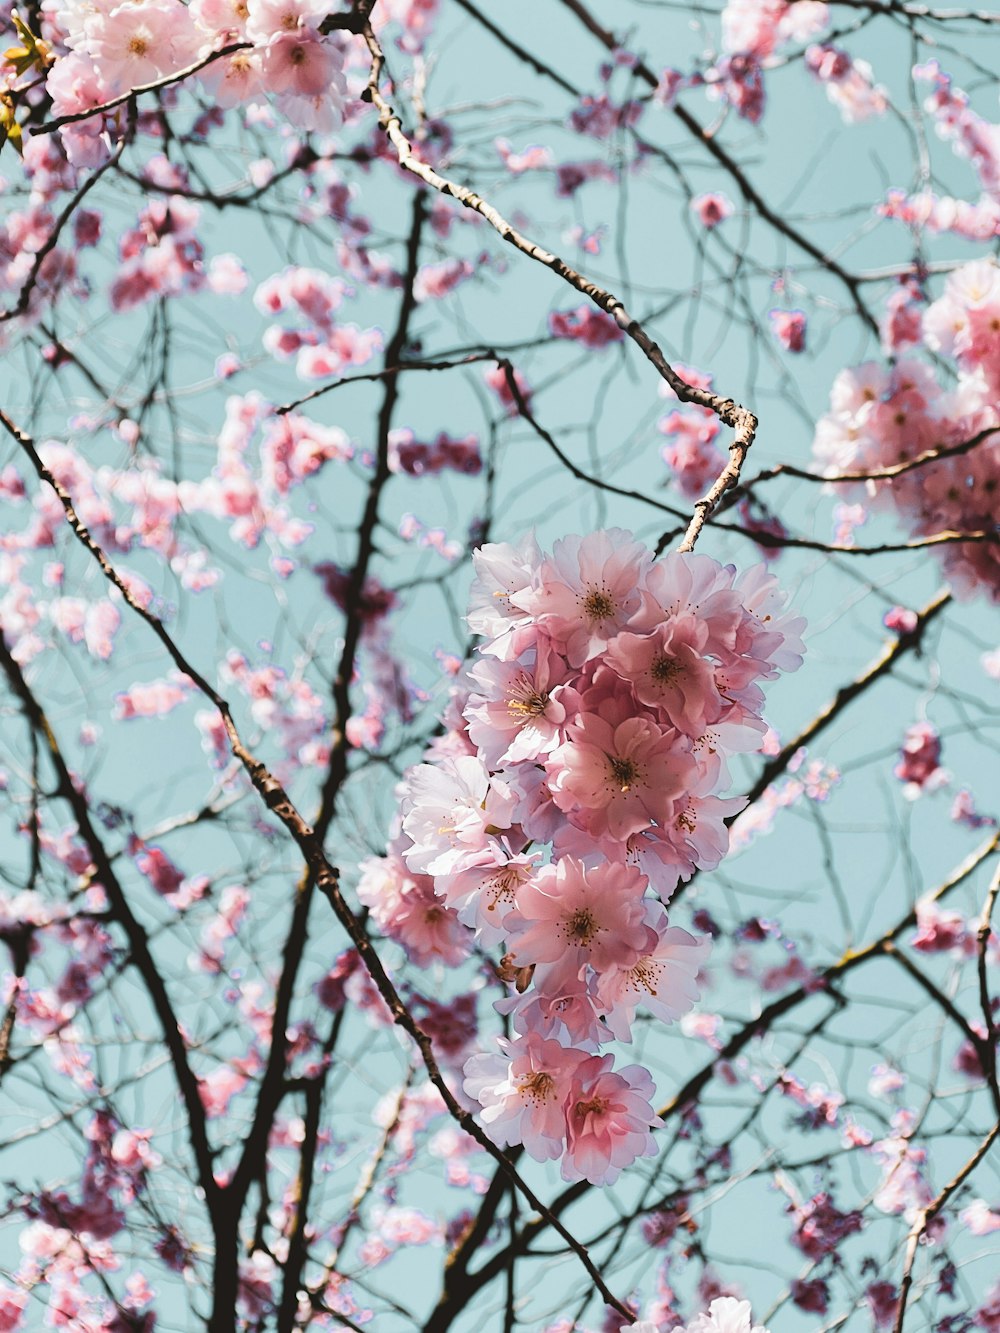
<point>597,720</point>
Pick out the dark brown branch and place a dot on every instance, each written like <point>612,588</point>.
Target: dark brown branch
<point>105,108</point>
<point>948,1006</point>
<point>516,49</point>
<point>988,1056</point>
<point>49,244</point>
<point>521,403</point>
<point>377,376</point>
<point>271,1084</point>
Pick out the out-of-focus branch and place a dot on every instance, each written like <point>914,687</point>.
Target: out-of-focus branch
<point>49,244</point>
<point>365,1185</point>
<point>521,403</point>
<point>271,1085</point>
<point>515,48</point>
<point>377,376</point>
<point>922,11</point>
<point>948,1005</point>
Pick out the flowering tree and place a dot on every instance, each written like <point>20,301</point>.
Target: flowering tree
<point>414,914</point>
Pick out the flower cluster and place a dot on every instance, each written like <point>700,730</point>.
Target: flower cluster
<point>849,84</point>
<point>598,718</point>
<point>884,417</point>
<point>692,454</point>
<point>419,459</point>
<point>264,47</point>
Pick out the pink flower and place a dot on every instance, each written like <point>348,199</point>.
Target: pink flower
<point>812,1295</point>
<point>920,761</point>
<point>608,1119</point>
<point>900,620</point>
<point>712,209</point>
<point>980,1219</point>
<point>963,811</point>
<point>224,18</point>
<point>532,158</point>
<point>848,83</point>
<point>448,809</point>
<point>662,979</point>
<point>988,1314</point>
<point>586,325</point>
<point>272,18</point>
<point>726,1314</point>
<point>697,837</point>
<point>821,1227</point>
<point>691,455</point>
<point>502,572</point>
<point>496,379</point>
<point>789,327</point>
<point>618,772</point>
<point>235,79</point>
<point>12,1303</point>
<point>519,710</point>
<point>435,281</point>
<point>884,1301</point>
<point>574,915</point>
<point>484,893</point>
<point>523,1092</point>
<point>739,80</point>
<point>139,43</point>
<point>218,1089</point>
<point>406,908</point>
<point>941,931</point>
<point>668,670</point>
<point>153,699</point>
<point>587,591</point>
<point>559,1004</point>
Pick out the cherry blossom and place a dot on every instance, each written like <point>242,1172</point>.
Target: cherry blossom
<point>712,209</point>
<point>608,1119</point>
<point>586,591</point>
<point>523,1092</point>
<point>725,1315</point>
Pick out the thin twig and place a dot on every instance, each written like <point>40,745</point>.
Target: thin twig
<point>927,1215</point>
<point>875,474</point>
